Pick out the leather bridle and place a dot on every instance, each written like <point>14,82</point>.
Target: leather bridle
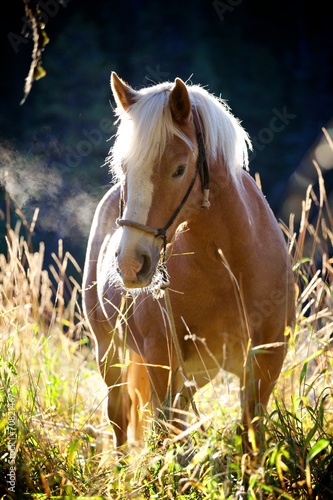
<point>201,167</point>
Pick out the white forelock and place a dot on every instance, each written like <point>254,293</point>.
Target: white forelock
<point>144,130</point>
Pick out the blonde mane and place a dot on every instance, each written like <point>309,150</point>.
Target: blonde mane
<point>145,129</point>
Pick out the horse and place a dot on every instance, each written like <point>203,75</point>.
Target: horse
<point>184,221</point>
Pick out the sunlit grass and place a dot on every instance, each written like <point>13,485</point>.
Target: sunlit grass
<point>53,427</point>
<point>51,378</point>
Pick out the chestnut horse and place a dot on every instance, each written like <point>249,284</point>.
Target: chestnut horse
<point>184,214</point>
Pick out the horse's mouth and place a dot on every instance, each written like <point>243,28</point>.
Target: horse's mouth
<point>142,279</point>
<point>139,282</point>
<point>153,282</point>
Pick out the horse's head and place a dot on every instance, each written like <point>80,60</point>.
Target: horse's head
<point>156,154</point>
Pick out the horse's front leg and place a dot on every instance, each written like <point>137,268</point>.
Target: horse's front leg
<point>139,395</point>
<point>128,388</point>
<point>167,383</point>
<point>262,371</point>
<point>113,369</point>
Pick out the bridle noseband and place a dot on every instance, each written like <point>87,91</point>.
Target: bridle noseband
<point>201,167</point>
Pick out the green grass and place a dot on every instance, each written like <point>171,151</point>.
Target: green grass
<point>54,432</point>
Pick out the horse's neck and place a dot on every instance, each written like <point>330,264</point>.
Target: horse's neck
<point>226,198</point>
<point>226,224</point>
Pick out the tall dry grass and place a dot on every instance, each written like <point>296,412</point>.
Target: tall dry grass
<point>51,395</point>
<point>53,429</point>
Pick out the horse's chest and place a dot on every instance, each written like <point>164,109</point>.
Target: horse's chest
<point>211,338</point>
<point>211,349</point>
<point>207,323</point>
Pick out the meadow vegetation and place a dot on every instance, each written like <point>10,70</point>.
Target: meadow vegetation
<point>55,440</point>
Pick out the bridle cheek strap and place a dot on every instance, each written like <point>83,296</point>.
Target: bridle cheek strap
<point>205,177</point>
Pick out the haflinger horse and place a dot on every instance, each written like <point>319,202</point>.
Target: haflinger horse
<point>186,215</point>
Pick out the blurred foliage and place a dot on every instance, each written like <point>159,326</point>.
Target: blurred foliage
<point>35,20</point>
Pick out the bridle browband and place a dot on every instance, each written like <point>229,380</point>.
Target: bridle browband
<point>201,167</point>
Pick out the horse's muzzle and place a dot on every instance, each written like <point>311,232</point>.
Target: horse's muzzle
<point>137,260</point>
<point>137,274</point>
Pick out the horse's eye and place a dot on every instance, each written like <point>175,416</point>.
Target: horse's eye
<point>179,171</point>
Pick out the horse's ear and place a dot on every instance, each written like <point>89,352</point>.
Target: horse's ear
<point>124,95</point>
<point>180,104</point>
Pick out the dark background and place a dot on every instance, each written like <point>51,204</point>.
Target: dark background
<point>266,59</point>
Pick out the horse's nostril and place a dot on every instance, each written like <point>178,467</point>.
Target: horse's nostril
<point>146,264</point>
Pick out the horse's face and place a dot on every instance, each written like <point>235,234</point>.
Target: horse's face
<point>153,192</point>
